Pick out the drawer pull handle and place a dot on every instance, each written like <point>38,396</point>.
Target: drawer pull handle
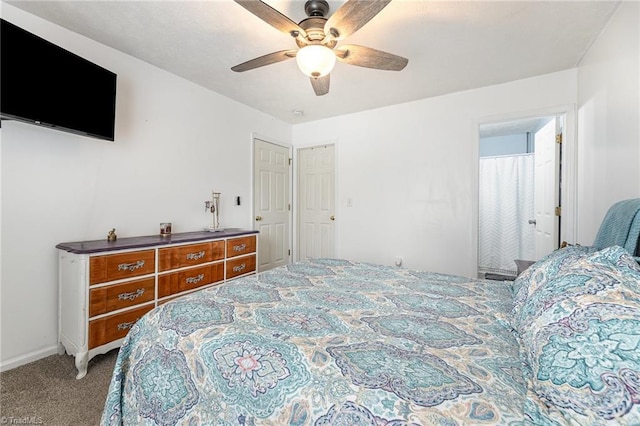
<point>195,256</point>
<point>194,280</point>
<point>239,268</point>
<point>132,295</point>
<point>126,325</point>
<point>239,247</point>
<point>131,266</point>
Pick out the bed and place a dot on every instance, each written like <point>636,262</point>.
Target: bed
<point>338,342</point>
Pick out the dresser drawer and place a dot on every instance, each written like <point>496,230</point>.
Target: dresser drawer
<point>111,267</point>
<point>118,296</point>
<point>193,254</point>
<point>189,279</point>
<point>114,327</point>
<point>241,266</point>
<point>240,246</point>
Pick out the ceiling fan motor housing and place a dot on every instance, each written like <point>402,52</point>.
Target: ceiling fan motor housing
<point>314,27</point>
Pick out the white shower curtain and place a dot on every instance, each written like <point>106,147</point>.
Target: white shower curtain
<point>505,207</point>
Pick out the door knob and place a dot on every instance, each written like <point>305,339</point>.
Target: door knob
<point>258,218</point>
<point>532,222</point>
<point>332,217</point>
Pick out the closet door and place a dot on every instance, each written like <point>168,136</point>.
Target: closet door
<point>272,205</point>
<point>316,206</point>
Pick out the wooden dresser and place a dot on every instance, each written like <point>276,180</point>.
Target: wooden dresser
<point>105,287</point>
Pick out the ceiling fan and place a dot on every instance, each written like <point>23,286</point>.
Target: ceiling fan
<point>317,37</point>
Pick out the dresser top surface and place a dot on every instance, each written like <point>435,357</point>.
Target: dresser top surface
<point>97,246</point>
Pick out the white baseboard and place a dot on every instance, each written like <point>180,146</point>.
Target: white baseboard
<point>28,358</point>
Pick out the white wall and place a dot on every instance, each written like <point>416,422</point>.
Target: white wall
<point>175,143</point>
<point>412,171</point>
<point>609,120</point>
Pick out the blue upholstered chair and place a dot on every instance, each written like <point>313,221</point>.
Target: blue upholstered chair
<point>620,226</point>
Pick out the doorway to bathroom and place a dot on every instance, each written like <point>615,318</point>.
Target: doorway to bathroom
<point>519,207</point>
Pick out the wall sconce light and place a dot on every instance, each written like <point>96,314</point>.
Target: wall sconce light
<point>316,60</point>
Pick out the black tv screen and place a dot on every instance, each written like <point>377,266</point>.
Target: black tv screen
<point>47,85</point>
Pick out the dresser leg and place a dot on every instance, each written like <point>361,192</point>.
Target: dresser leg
<point>82,359</point>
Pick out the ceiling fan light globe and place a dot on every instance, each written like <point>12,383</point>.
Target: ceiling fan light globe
<point>316,60</point>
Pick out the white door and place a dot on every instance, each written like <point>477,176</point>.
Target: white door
<point>546,189</point>
<point>316,204</point>
<point>271,205</point>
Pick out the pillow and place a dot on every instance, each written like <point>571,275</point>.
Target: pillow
<point>541,272</point>
<point>574,275</point>
<point>581,338</point>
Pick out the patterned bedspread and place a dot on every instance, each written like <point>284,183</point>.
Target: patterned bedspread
<point>324,342</point>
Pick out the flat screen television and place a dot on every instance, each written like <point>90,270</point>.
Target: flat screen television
<point>46,85</point>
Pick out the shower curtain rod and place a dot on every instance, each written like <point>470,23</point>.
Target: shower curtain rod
<point>507,155</point>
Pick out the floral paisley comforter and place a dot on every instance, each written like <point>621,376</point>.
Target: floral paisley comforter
<point>324,342</point>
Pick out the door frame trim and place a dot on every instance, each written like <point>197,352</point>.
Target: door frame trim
<point>296,181</point>
<point>568,172</point>
<point>252,210</point>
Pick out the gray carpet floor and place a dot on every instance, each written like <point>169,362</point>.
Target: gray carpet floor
<point>46,392</point>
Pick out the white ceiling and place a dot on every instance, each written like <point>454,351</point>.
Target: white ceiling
<point>451,46</point>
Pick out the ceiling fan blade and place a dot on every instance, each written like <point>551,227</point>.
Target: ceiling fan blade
<point>272,17</point>
<point>268,59</point>
<point>351,16</point>
<point>370,58</point>
<point>320,85</point>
